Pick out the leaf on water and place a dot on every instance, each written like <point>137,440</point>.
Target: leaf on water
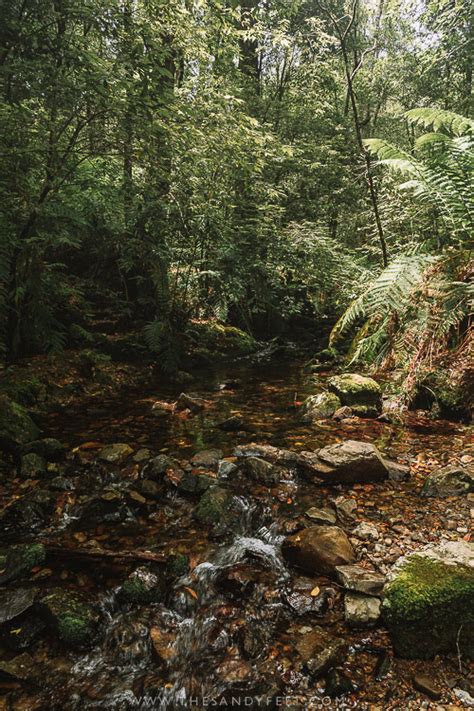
<point>315,591</point>
<point>192,592</point>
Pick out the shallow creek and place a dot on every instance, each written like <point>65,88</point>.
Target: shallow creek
<point>227,628</point>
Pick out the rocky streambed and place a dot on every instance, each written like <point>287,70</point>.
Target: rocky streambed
<point>224,549</point>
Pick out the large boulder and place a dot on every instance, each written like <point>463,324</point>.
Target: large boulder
<point>320,407</point>
<point>429,601</point>
<point>16,425</point>
<point>349,462</point>
<point>318,549</point>
<point>445,395</point>
<point>452,480</point>
<point>362,394</point>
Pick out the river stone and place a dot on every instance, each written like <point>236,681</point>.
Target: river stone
<point>207,459</point>
<point>159,465</point>
<point>358,579</point>
<point>32,466</point>
<point>261,471</point>
<point>320,407</point>
<point>142,587</point>
<point>318,549</point>
<point>16,425</point>
<point>21,559</point>
<point>115,453</point>
<point>190,402</point>
<point>452,480</point>
<point>15,602</point>
<point>49,448</point>
<point>214,505</point>
<point>361,393</point>
<point>429,601</point>
<point>350,462</point>
<point>320,651</point>
<point>324,515</point>
<point>72,616</point>
<point>361,610</point>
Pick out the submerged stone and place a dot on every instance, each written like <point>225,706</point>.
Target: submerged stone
<point>349,462</point>
<point>429,601</point>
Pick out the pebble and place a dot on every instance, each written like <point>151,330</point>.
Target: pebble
<point>426,686</point>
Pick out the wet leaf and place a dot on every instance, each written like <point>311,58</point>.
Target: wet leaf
<point>315,591</point>
<point>192,592</point>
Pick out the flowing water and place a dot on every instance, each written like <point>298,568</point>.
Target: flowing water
<point>224,632</point>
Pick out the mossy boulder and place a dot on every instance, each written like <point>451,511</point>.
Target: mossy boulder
<point>320,407</point>
<point>215,338</point>
<point>20,559</point>
<point>429,602</point>
<point>362,394</point>
<point>142,587</point>
<point>214,505</point>
<point>444,396</point>
<point>16,424</point>
<point>72,617</point>
<point>33,466</point>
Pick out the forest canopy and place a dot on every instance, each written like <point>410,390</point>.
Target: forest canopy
<point>267,165</point>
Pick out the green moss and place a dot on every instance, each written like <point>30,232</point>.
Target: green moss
<point>429,607</point>
<point>356,390</point>
<point>135,591</point>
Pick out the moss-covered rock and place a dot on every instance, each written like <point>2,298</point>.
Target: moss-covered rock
<point>429,602</point>
<point>452,480</point>
<point>321,406</point>
<point>32,466</point>
<point>20,559</point>
<point>362,394</point>
<point>142,587</point>
<point>72,617</point>
<point>214,505</point>
<point>444,396</point>
<point>177,565</point>
<point>15,423</point>
<point>218,339</point>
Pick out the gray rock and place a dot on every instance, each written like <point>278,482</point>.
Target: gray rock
<point>343,413</point>
<point>349,462</point>
<point>15,602</point>
<point>358,579</point>
<point>159,466</point>
<point>361,610</point>
<point>366,531</point>
<point>318,549</point>
<point>345,509</point>
<point>452,480</point>
<point>396,471</point>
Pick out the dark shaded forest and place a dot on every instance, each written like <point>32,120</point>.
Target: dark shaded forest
<point>236,354</point>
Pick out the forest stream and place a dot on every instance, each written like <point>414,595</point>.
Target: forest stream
<point>196,613</point>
